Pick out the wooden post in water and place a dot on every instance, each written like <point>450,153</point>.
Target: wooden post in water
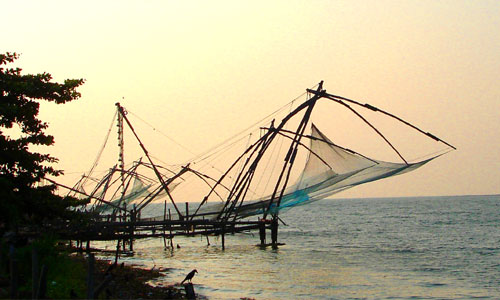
<point>223,229</point>
<point>164,219</point>
<point>262,232</point>
<point>133,216</point>
<point>190,294</point>
<point>187,217</point>
<point>170,228</point>
<point>206,235</point>
<point>164,225</point>
<point>274,231</point>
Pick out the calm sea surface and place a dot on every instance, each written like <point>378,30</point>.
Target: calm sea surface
<point>395,248</point>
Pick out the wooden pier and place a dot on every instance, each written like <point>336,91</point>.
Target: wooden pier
<point>133,229</point>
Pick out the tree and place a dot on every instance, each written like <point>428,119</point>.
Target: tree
<point>23,200</point>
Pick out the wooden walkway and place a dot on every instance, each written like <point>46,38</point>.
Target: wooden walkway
<point>128,231</point>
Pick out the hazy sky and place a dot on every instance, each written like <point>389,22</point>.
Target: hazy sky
<point>203,70</point>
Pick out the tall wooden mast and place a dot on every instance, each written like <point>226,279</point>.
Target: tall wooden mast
<point>164,184</point>
<point>121,159</point>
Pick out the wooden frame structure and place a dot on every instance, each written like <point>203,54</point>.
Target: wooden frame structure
<point>126,224</point>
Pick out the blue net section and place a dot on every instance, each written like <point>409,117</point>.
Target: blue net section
<point>329,169</point>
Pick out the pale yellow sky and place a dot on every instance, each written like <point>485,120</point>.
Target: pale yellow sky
<point>202,71</point>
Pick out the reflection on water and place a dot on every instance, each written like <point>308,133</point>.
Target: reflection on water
<point>437,248</point>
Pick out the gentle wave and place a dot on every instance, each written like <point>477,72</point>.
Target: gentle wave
<point>396,248</point>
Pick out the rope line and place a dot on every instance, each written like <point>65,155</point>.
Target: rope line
<point>263,120</point>
<point>161,132</point>
<point>99,154</point>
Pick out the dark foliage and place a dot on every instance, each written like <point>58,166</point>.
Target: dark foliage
<point>23,200</point>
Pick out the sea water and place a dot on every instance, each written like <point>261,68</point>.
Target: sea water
<point>391,248</point>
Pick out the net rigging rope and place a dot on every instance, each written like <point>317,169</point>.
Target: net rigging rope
<point>281,145</point>
<point>177,143</point>
<point>205,155</point>
<point>432,154</point>
<point>214,156</point>
<point>240,167</point>
<point>208,154</point>
<point>261,121</point>
<point>161,132</point>
<point>274,154</point>
<point>99,154</point>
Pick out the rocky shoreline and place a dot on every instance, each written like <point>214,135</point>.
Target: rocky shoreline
<point>131,282</point>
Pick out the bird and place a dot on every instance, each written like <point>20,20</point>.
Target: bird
<point>189,276</point>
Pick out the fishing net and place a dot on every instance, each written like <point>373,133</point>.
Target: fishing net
<point>329,169</point>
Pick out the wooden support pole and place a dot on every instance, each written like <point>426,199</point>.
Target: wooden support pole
<point>223,246</point>
<point>223,229</point>
<point>274,231</point>
<point>170,228</point>
<point>262,232</point>
<point>160,177</point>
<point>14,275</point>
<point>117,251</point>
<point>187,217</point>
<point>190,294</point>
<point>90,277</point>
<point>35,273</point>
<point>42,283</point>
<point>132,229</point>
<point>164,219</point>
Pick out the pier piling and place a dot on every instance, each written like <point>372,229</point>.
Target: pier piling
<point>274,231</point>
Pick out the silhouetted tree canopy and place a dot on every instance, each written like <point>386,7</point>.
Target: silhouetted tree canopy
<point>23,200</point>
